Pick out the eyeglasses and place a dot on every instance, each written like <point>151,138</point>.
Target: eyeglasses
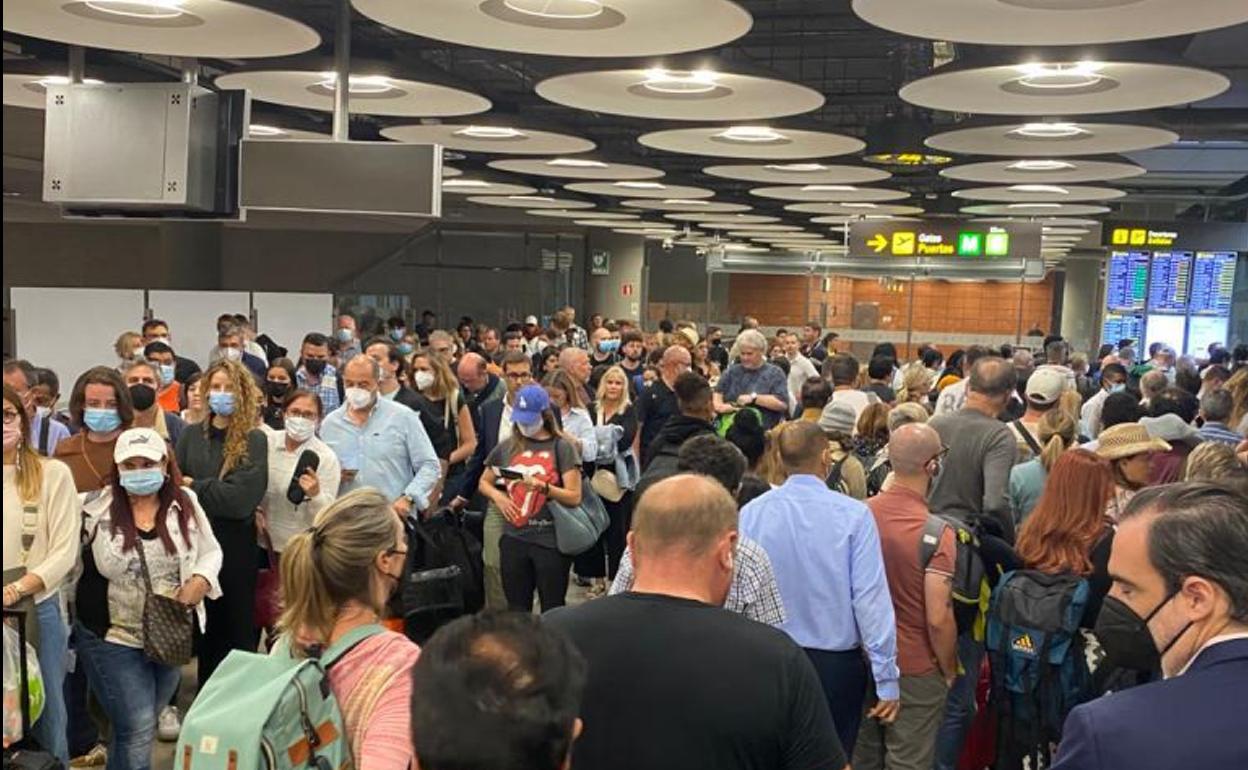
<point>939,456</point>
<point>519,376</point>
<point>10,416</point>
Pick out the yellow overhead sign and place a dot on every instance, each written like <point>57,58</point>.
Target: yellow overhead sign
<point>944,238</point>
<point>1139,236</point>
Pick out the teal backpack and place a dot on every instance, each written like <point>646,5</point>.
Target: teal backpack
<point>269,712</point>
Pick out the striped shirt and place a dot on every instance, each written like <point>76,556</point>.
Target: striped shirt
<point>1216,431</point>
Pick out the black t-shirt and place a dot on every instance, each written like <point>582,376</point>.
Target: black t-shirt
<point>656,405</point>
<point>675,684</point>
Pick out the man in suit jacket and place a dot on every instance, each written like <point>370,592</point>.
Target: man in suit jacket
<point>1180,596</point>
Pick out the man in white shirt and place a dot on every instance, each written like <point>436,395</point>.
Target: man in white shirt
<point>800,367</point>
<point>953,397</point>
<point>1113,379</point>
<point>843,369</point>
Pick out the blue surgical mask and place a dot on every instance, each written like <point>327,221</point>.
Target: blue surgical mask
<point>221,402</point>
<point>166,374</point>
<point>101,420</point>
<point>1120,387</point>
<point>145,481</point>
<point>345,335</point>
<point>405,348</point>
<point>397,334</point>
<point>609,346</point>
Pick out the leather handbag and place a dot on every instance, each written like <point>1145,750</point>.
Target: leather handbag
<point>606,484</point>
<point>268,606</point>
<point>167,624</point>
<point>579,527</point>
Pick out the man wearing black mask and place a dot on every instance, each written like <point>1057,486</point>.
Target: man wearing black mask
<point>142,378</point>
<point>316,374</point>
<point>716,350</point>
<point>1179,602</point>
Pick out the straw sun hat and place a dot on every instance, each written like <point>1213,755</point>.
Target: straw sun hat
<point>1128,440</point>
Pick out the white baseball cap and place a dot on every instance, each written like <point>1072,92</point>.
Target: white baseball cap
<point>530,321</point>
<point>1045,386</point>
<point>139,442</point>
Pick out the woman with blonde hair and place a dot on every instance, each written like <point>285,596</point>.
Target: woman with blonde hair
<point>337,577</point>
<point>1237,386</point>
<point>439,397</point>
<point>1216,462</point>
<point>1057,432</point>
<point>916,384</point>
<point>616,415</point>
<point>128,347</point>
<point>41,546</point>
<point>225,462</point>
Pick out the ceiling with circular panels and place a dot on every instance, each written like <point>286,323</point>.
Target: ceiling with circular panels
<point>678,205</point>
<point>853,209</point>
<point>267,132</point>
<point>1040,193</point>
<point>760,229</point>
<point>798,173</point>
<point>1064,88</point>
<point>1042,171</point>
<point>832,193</point>
<point>577,168</point>
<point>758,142</point>
<point>529,202</point>
<point>582,28</point>
<point>371,94</point>
<point>495,139</point>
<point>1049,22</point>
<point>209,28</point>
<point>1037,209</point>
<point>840,220</point>
<point>581,213</point>
<point>464,186</point>
<point>639,189</point>
<point>1051,139</point>
<point>663,94</point>
<point>723,221</point>
<point>29,91</point>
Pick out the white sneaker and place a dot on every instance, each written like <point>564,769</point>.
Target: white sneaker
<point>169,724</point>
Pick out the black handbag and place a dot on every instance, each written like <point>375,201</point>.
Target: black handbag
<point>167,624</point>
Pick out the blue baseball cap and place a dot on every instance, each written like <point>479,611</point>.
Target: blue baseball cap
<point>531,401</point>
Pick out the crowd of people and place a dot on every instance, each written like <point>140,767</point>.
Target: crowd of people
<point>808,560</point>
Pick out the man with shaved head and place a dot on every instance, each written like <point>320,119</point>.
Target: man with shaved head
<point>675,681</point>
<point>825,550</point>
<point>657,402</point>
<point>480,385</point>
<point>920,583</point>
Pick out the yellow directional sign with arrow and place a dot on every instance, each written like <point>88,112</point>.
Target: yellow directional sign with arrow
<point>879,243</point>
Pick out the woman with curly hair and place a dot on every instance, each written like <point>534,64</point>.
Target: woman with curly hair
<point>225,463</point>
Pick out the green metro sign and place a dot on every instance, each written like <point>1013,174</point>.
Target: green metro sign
<point>970,244</point>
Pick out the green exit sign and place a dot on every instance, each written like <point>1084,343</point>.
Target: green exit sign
<point>970,244</point>
<point>997,244</point>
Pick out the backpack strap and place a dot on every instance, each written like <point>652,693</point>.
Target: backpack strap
<point>929,541</point>
<point>834,476</point>
<point>45,423</point>
<point>348,642</point>
<point>1027,437</point>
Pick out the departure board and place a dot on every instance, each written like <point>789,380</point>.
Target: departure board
<point>1123,327</point>
<point>1127,280</point>
<point>1170,282</point>
<point>1213,282</point>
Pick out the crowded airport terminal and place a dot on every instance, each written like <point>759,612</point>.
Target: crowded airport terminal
<point>625,385</point>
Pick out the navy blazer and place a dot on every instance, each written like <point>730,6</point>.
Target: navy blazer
<point>489,418</point>
<point>1198,720</point>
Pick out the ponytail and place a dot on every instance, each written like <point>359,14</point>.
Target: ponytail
<point>1057,431</point>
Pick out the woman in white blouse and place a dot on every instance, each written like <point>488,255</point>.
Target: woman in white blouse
<point>568,401</point>
<point>281,518</point>
<point>40,549</point>
<point>145,508</point>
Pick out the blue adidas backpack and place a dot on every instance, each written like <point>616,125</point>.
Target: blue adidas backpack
<point>269,712</point>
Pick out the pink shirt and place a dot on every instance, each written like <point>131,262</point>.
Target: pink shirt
<point>373,685</point>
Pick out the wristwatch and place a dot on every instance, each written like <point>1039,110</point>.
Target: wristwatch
<point>753,398</point>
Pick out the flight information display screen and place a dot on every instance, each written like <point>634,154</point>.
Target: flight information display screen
<point>1204,330</point>
<point>1213,282</point>
<point>1170,282</point>
<point>1122,327</point>
<point>1167,329</point>
<point>1127,280</point>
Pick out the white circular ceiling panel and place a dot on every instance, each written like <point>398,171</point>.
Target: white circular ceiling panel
<point>1042,171</point>
<point>462,186</point>
<point>754,229</point>
<point>1037,209</point>
<point>1040,193</point>
<point>30,91</point>
<point>1051,139</point>
<point>640,189</point>
<point>208,28</point>
<point>757,142</point>
<point>798,173</point>
<point>371,94</point>
<point>529,202</point>
<point>577,168</point>
<point>582,214</point>
<point>853,209</point>
<point>684,205</point>
<point>1064,88</point>
<point>501,140</point>
<point>723,221</point>
<point>267,132</point>
<point>680,94</point>
<point>1049,22</point>
<point>839,221</point>
<point>586,28</point>
<point>830,193</point>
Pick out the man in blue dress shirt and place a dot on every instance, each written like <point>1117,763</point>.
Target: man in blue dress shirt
<point>381,443</point>
<point>825,551</point>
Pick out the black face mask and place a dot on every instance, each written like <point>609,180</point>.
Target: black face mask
<point>276,389</point>
<point>315,366</point>
<point>1125,636</point>
<point>717,342</point>
<point>142,396</point>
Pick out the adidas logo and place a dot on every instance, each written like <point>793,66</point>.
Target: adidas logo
<point>1024,645</point>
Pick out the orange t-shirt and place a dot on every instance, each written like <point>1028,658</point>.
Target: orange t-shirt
<point>900,514</point>
<point>168,398</point>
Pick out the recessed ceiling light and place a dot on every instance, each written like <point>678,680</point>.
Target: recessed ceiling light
<point>576,163</point>
<point>687,202</point>
<point>358,84</point>
<point>465,183</point>
<point>642,185</point>
<point>489,132</point>
<point>829,188</point>
<point>257,129</point>
<point>750,134</point>
<point>557,9</point>
<point>1060,75</point>
<point>1049,130</point>
<point>1034,206</point>
<point>531,198</point>
<point>61,80</point>
<point>138,9</point>
<point>1040,188</point>
<point>1041,165</point>
<point>679,81</point>
<point>859,205</point>
<point>796,168</point>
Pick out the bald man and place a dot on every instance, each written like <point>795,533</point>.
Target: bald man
<point>657,403</point>
<point>825,550</point>
<point>675,681</point>
<point>479,383</point>
<point>921,590</point>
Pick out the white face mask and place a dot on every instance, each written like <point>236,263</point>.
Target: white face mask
<point>232,354</point>
<point>423,380</point>
<point>300,428</point>
<point>359,398</point>
<point>530,431</point>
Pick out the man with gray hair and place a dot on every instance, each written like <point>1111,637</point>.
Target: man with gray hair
<point>575,362</point>
<point>381,443</point>
<point>674,680</point>
<point>1215,409</point>
<point>1179,600</point>
<point>754,382</point>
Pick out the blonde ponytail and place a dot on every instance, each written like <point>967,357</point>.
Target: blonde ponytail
<point>1057,431</point>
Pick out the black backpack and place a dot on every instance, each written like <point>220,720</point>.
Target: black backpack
<point>970,580</point>
<point>836,477</point>
<point>443,575</point>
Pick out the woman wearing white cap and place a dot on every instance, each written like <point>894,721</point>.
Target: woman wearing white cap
<point>1130,450</point>
<point>147,535</point>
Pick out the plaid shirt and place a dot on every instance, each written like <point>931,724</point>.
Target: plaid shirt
<point>577,337</point>
<point>326,388</point>
<point>753,593</point>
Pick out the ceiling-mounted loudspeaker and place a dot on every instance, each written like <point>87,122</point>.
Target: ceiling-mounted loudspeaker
<point>897,144</point>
